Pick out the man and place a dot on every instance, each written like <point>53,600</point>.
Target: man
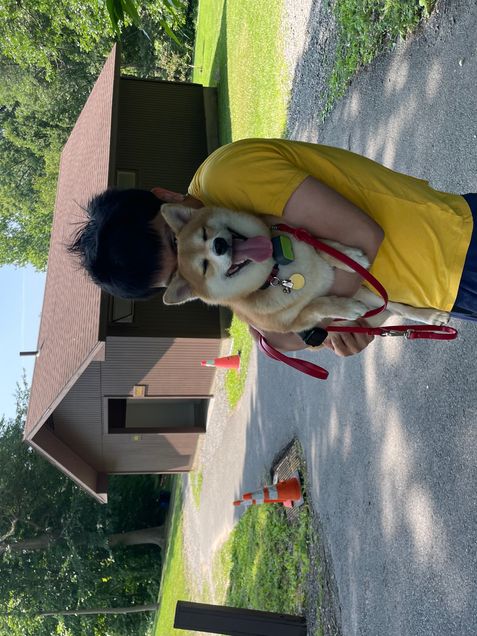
<point>415,237</point>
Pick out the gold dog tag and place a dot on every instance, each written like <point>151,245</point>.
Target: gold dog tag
<point>298,281</point>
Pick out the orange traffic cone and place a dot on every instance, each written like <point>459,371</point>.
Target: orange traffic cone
<point>287,492</point>
<point>228,362</point>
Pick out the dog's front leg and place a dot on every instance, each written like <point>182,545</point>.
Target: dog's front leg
<point>420,314</point>
<point>352,252</point>
<point>327,307</point>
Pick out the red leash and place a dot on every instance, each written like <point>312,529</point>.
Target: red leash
<point>411,332</point>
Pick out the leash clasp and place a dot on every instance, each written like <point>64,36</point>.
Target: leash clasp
<point>395,332</point>
<point>286,284</point>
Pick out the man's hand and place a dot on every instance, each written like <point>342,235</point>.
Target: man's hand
<point>348,344</point>
<point>342,344</point>
<point>169,196</point>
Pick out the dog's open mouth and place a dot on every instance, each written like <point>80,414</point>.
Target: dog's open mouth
<point>236,267</point>
<point>246,250</point>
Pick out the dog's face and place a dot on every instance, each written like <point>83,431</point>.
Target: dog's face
<point>222,255</point>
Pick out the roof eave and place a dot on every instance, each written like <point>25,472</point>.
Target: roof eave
<point>98,353</point>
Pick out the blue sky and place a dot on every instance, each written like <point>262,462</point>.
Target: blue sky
<point>22,290</point>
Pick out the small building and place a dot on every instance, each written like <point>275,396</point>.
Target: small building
<point>117,386</point>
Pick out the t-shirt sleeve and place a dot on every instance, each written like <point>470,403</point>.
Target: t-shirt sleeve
<point>252,175</point>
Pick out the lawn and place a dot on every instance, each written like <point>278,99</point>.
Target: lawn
<point>242,342</point>
<point>268,560</point>
<point>239,49</point>
<point>239,46</point>
<point>174,583</point>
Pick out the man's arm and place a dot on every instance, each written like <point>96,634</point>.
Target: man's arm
<point>326,214</point>
<point>342,344</point>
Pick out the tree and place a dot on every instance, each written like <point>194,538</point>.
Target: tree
<point>51,54</point>
<point>47,35</point>
<point>59,549</point>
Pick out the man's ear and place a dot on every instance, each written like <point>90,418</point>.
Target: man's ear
<point>176,215</point>
<point>178,291</point>
<point>168,196</point>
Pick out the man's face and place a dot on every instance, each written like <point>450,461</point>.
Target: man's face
<point>169,251</point>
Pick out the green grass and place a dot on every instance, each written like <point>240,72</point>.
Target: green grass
<point>208,50</point>
<point>267,559</point>
<point>239,50</point>
<point>174,583</point>
<point>242,341</point>
<point>195,480</point>
<point>263,565</point>
<point>365,29</point>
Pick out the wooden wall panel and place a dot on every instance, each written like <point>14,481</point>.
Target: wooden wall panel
<point>149,453</point>
<point>77,419</point>
<point>161,132</point>
<point>168,367</point>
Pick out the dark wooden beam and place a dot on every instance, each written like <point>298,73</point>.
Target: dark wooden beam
<point>233,621</point>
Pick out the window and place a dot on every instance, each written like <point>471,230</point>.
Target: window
<point>155,415</point>
<point>122,310</point>
<point>126,179</point>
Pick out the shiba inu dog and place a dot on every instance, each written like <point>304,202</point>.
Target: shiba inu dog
<point>269,279</point>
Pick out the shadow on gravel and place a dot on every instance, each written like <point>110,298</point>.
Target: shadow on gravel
<point>412,109</point>
<point>309,93</point>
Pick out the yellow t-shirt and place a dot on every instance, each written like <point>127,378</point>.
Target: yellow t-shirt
<point>427,232</point>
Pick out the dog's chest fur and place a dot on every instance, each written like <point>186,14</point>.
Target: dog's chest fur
<point>285,307</point>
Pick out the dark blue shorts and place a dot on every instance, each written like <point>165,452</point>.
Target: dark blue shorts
<point>465,305</point>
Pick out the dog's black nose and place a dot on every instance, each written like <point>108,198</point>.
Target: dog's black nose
<point>220,246</point>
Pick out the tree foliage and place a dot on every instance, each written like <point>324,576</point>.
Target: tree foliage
<point>55,551</point>
<point>50,56</point>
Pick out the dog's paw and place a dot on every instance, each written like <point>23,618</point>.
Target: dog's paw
<point>357,255</point>
<point>351,309</point>
<point>439,318</point>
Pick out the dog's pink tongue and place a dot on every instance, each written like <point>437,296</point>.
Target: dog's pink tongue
<point>257,249</point>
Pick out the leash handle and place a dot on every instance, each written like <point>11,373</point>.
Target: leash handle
<point>414,332</point>
<point>411,332</point>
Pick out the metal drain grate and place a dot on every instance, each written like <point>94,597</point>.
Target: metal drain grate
<point>288,463</point>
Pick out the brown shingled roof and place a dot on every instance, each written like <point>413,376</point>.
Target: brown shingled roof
<point>69,331</point>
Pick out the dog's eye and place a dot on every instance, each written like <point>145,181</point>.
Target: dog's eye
<point>204,233</point>
<point>205,265</point>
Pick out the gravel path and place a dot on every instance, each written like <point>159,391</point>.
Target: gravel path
<point>390,440</point>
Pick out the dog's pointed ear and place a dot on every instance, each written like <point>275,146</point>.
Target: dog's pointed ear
<point>176,216</point>
<point>178,291</point>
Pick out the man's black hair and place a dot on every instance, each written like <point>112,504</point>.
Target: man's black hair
<point>117,245</point>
